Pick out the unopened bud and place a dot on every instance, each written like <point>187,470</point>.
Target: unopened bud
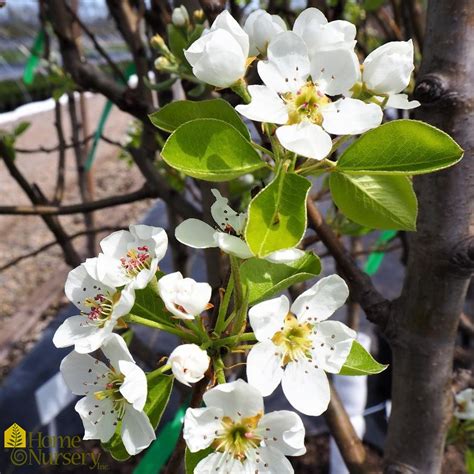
<point>199,17</point>
<point>157,42</point>
<point>180,17</point>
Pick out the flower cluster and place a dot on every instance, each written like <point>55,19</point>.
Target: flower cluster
<point>313,85</point>
<point>104,290</point>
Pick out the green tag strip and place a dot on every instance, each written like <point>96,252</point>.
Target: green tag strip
<point>375,259</point>
<point>160,451</point>
<point>34,58</point>
<point>101,125</point>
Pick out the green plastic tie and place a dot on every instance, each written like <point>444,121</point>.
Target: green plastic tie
<point>34,58</point>
<point>375,259</point>
<point>160,451</point>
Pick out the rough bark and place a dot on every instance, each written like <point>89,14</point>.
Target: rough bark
<point>424,320</point>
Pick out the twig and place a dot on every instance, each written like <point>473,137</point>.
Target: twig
<point>47,210</point>
<point>349,444</point>
<point>362,289</point>
<point>41,249</point>
<point>58,123</point>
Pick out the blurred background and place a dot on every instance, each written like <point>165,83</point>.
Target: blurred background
<point>79,159</point>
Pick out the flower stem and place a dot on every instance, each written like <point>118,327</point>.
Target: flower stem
<point>158,371</point>
<point>220,323</point>
<point>234,340</point>
<point>262,149</point>
<point>194,326</point>
<point>133,318</point>
<point>218,364</point>
<point>240,88</point>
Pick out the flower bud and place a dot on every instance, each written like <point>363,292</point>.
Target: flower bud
<point>262,28</point>
<point>180,17</point>
<point>189,363</point>
<point>157,42</point>
<point>219,57</point>
<point>199,17</point>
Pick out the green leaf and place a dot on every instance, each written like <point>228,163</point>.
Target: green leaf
<point>211,150</point>
<point>263,279</point>
<point>378,202</point>
<point>277,214</point>
<point>172,115</point>
<point>371,5</point>
<point>177,41</point>
<point>149,305</point>
<point>159,391</point>
<point>191,460</point>
<point>360,362</point>
<point>21,128</point>
<point>400,147</point>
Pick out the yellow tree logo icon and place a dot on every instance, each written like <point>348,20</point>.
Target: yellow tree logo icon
<point>14,437</point>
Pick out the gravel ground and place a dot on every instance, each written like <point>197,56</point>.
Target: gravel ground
<point>22,234</point>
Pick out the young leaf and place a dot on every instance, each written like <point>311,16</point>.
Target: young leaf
<point>263,279</point>
<point>277,214</point>
<point>378,202</point>
<point>191,460</point>
<point>174,114</point>
<point>149,305</point>
<point>400,147</point>
<point>159,391</point>
<point>360,362</point>
<point>211,150</point>
<point>178,41</point>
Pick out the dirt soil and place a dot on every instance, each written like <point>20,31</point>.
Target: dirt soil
<point>20,235</point>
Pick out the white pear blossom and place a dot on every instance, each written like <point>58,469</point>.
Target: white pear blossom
<point>229,234</point>
<point>464,407</point>
<point>262,28</point>
<point>114,393</point>
<point>130,257</point>
<point>320,35</point>
<point>180,16</point>
<point>387,71</point>
<point>189,363</point>
<point>219,56</point>
<point>184,297</point>
<point>100,305</point>
<point>297,346</point>
<point>301,106</point>
<point>244,438</point>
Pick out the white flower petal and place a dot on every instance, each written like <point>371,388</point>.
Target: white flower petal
<point>321,300</point>
<point>285,432</point>
<point>232,245</point>
<point>305,139</point>
<point>98,417</point>
<point>116,244</point>
<point>287,67</point>
<point>464,408</point>
<point>262,28</point>
<point>271,461</point>
<point>137,431</point>
<point>109,270</point>
<point>200,425</point>
<point>115,349</point>
<point>195,233</point>
<point>309,18</point>
<point>134,388</point>
<point>80,286</point>
<point>189,363</point>
<point>268,317</point>
<point>155,238</point>
<point>264,370</point>
<point>228,23</point>
<point>266,106</point>
<point>80,371</point>
<point>387,70</point>
<point>400,101</point>
<point>236,399</point>
<point>224,215</point>
<point>285,256</point>
<point>217,58</point>
<point>73,329</point>
<point>306,388</point>
<point>125,303</point>
<point>335,71</point>
<point>351,117</point>
<point>332,342</point>
<point>215,462</point>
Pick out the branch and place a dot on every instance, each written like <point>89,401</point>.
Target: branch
<point>362,289</point>
<point>45,210</point>
<point>212,8</point>
<point>41,249</point>
<point>340,427</point>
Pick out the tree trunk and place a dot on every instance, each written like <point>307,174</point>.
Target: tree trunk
<point>424,320</point>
